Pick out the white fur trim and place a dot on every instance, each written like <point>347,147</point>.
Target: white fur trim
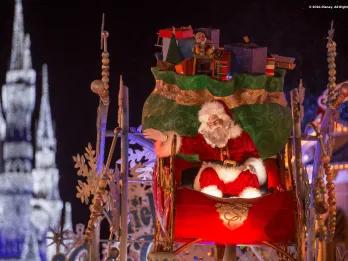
<point>163,149</point>
<point>250,192</point>
<point>259,169</point>
<point>210,108</point>
<point>226,174</point>
<point>212,191</point>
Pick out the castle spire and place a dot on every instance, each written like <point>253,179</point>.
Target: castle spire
<point>18,100</point>
<point>45,140</point>
<point>18,39</point>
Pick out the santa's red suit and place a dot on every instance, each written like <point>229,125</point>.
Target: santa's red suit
<point>218,173</point>
<point>232,168</point>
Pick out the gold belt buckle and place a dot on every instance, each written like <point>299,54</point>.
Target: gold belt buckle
<point>230,163</point>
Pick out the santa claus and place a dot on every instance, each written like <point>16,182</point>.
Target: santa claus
<point>231,163</point>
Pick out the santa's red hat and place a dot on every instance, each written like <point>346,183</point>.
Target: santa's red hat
<point>217,107</point>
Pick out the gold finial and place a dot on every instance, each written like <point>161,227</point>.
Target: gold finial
<point>120,101</point>
<point>103,36</point>
<point>331,31</point>
<point>101,86</point>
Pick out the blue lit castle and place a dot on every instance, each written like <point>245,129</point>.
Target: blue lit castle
<point>29,197</point>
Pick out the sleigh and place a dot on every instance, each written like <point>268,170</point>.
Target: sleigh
<point>290,211</point>
<point>189,216</point>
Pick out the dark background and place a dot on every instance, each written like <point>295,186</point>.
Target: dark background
<point>65,35</point>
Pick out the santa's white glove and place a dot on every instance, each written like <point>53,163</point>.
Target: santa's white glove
<point>155,135</point>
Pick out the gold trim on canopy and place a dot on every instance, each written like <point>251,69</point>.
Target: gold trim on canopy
<point>197,97</point>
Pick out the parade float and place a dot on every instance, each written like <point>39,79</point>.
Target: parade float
<point>289,210</point>
<point>251,87</point>
<point>198,81</point>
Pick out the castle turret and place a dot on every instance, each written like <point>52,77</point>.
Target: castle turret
<point>45,139</point>
<point>46,203</point>
<point>18,100</point>
<point>45,173</point>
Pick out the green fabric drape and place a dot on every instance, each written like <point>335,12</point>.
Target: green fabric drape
<point>269,125</point>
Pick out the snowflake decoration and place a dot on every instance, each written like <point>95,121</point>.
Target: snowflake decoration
<point>86,167</point>
<point>141,155</point>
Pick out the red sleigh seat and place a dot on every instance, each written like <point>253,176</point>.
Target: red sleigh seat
<point>269,218</point>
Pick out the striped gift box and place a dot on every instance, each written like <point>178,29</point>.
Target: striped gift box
<point>270,66</point>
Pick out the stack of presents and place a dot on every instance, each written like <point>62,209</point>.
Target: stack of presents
<point>190,51</point>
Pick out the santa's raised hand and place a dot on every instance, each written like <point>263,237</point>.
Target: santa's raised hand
<point>163,141</point>
<point>155,135</point>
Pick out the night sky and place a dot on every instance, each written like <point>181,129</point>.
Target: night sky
<point>65,35</point>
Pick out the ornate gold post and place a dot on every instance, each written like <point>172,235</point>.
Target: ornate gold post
<point>325,246</point>
<point>123,122</point>
<point>332,104</point>
<point>296,100</point>
<point>172,195</point>
<point>99,87</point>
<point>164,235</point>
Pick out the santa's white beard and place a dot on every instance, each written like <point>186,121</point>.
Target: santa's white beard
<point>217,136</point>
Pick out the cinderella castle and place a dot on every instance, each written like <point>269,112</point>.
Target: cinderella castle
<point>30,205</point>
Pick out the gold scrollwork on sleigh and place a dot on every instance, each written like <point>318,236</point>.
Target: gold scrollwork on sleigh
<point>233,215</point>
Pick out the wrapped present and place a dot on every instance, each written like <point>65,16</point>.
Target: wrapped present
<point>185,67</point>
<point>222,65</point>
<point>248,58</point>
<point>179,33</point>
<point>186,47</point>
<point>184,38</point>
<point>270,66</point>
<point>284,62</point>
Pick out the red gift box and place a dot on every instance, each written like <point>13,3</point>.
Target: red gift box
<point>180,33</point>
